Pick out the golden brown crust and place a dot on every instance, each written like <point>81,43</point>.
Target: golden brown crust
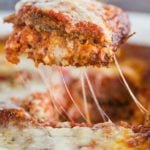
<point>39,106</point>
<point>115,19</point>
<point>79,42</point>
<point>18,116</point>
<point>21,119</point>
<point>14,116</point>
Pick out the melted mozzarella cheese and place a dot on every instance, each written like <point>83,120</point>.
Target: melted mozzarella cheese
<point>108,137</point>
<point>77,10</point>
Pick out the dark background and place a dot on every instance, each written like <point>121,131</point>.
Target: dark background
<point>130,5</point>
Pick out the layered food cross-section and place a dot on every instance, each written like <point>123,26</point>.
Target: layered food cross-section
<point>76,33</point>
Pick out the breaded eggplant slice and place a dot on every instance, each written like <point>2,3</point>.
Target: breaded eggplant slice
<point>66,33</point>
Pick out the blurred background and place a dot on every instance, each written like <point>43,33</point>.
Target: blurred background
<point>129,5</point>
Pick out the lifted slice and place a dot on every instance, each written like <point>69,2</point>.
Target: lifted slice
<point>77,33</point>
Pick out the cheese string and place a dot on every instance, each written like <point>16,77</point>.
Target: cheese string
<point>105,117</point>
<point>142,109</point>
<point>85,99</point>
<point>72,99</point>
<point>54,102</point>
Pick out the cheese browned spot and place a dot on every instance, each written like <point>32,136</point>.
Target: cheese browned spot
<point>77,33</point>
<point>20,132</point>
